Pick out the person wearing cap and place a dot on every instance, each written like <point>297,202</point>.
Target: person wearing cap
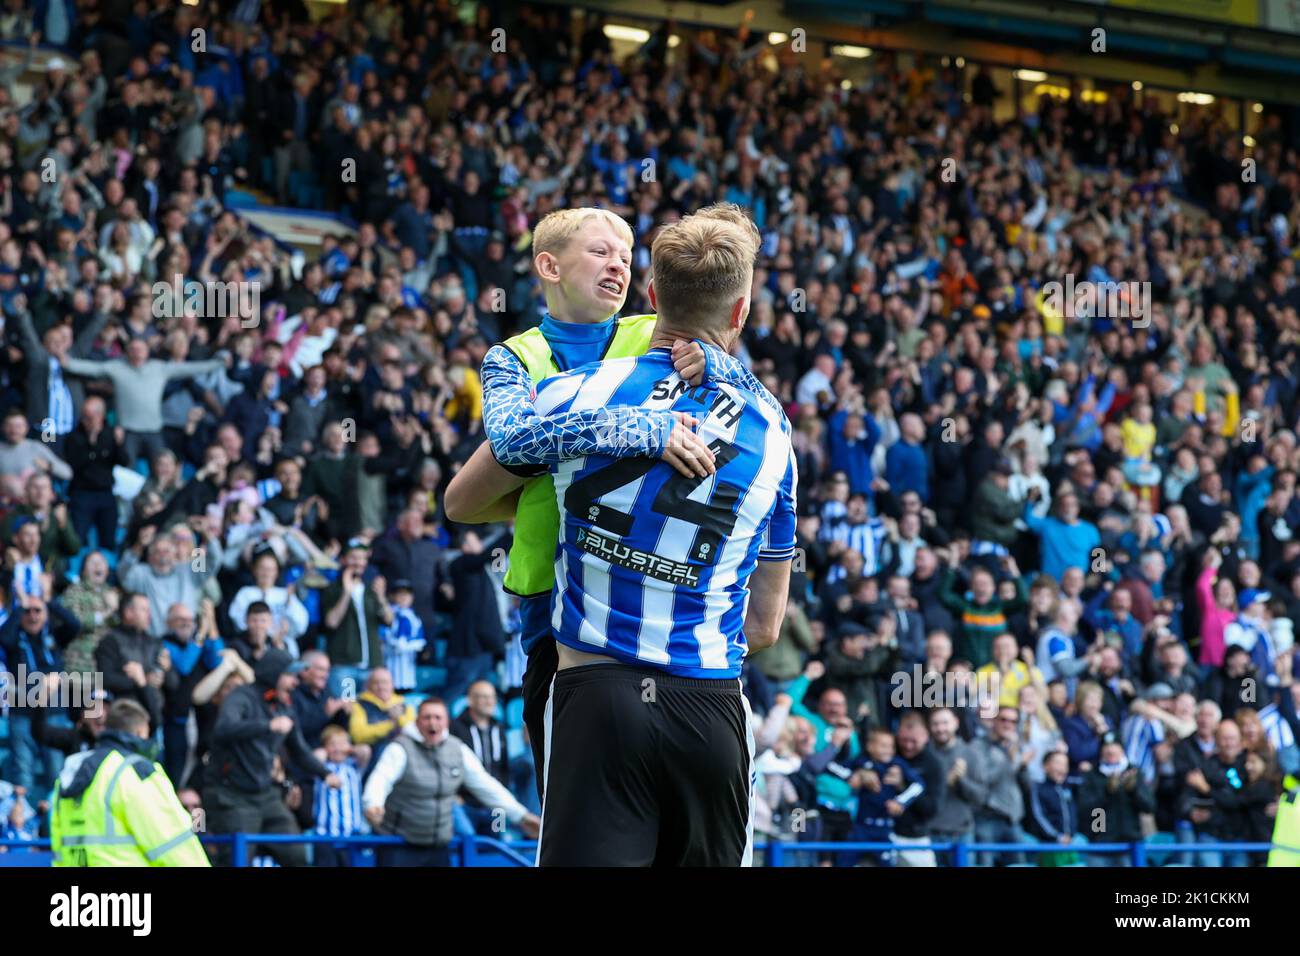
<point>404,638</point>
<point>255,721</point>
<point>1251,630</point>
<point>354,612</point>
<point>858,664</point>
<point>994,513</point>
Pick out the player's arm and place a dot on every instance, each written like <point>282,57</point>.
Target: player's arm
<point>482,490</point>
<point>529,439</point>
<point>769,585</point>
<point>769,588</point>
<point>710,364</point>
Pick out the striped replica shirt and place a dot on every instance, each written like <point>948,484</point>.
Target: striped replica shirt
<point>403,639</point>
<point>338,812</point>
<point>652,566</point>
<point>1140,736</point>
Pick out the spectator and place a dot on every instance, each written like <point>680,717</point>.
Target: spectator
<point>289,621</point>
<point>138,383</point>
<point>353,612</point>
<point>93,450</point>
<point>412,789</point>
<point>1113,797</point>
<point>406,553</point>
<point>963,791</point>
<point>32,640</point>
<point>133,660</point>
<point>193,649</point>
<point>1054,811</point>
<point>477,634</point>
<point>911,828</point>
<point>886,786</point>
<point>255,721</point>
<point>481,731</point>
<point>379,714</point>
<point>168,578</point>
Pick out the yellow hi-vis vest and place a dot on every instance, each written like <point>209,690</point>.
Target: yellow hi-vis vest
<point>129,815</point>
<point>537,516</point>
<point>1286,826</point>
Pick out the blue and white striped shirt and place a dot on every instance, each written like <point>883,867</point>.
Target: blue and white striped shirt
<point>1275,726</point>
<point>338,812</point>
<point>403,639</point>
<point>61,410</point>
<point>1140,735</point>
<point>867,538</point>
<point>653,566</point>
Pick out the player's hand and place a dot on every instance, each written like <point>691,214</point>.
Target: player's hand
<point>687,451</point>
<point>689,361</point>
<point>531,824</point>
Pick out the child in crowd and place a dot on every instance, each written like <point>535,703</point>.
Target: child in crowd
<point>404,638</point>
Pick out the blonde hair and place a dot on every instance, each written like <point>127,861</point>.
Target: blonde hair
<point>331,731</point>
<point>556,229</point>
<point>702,264</point>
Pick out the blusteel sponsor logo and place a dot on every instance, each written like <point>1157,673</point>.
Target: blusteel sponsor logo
<point>76,909</point>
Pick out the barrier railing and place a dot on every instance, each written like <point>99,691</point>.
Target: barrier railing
<point>470,851</point>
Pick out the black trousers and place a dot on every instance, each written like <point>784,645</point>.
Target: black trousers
<point>536,690</point>
<point>98,510</point>
<point>646,769</point>
<point>234,811</point>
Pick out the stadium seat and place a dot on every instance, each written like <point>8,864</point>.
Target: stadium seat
<point>430,678</point>
<point>515,745</point>
<point>515,713</point>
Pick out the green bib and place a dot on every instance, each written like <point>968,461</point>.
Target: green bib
<point>537,517</point>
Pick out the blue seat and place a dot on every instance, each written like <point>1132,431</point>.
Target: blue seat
<point>515,745</point>
<point>515,713</point>
<point>430,678</point>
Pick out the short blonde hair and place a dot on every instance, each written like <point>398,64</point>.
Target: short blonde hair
<point>703,263</point>
<point>557,228</point>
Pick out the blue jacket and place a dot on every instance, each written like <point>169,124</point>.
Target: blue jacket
<point>853,457</point>
<point>1063,545</point>
<point>871,806</point>
<point>908,469</point>
<point>42,653</point>
<point>1053,809</point>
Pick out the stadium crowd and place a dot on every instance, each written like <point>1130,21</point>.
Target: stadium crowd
<point>1047,560</point>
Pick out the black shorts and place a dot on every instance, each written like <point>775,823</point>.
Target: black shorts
<point>536,690</point>
<point>646,769</point>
